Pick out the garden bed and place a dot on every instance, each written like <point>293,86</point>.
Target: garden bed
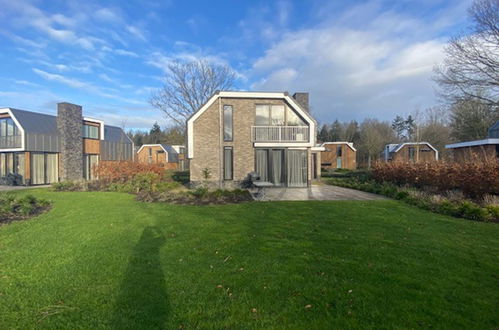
<point>14,208</point>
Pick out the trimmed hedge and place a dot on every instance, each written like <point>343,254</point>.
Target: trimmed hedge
<point>436,203</point>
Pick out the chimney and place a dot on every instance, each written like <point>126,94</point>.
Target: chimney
<point>302,99</point>
<point>69,125</point>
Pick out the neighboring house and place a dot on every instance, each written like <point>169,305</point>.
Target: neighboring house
<point>482,149</point>
<point>44,149</point>
<point>410,152</point>
<point>169,156</point>
<point>338,155</point>
<point>235,134</point>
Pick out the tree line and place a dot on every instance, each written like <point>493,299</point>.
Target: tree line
<point>171,135</point>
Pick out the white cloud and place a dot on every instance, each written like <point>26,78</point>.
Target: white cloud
<point>108,15</point>
<point>379,70</point>
<point>124,52</point>
<point>136,32</point>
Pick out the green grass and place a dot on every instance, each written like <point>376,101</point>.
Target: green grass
<point>103,260</point>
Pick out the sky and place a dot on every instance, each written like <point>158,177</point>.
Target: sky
<point>357,59</point>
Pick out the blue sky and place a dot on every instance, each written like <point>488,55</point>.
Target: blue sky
<point>357,59</point>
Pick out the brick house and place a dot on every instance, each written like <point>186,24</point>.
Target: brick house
<point>170,156</point>
<point>410,152</point>
<point>237,133</point>
<point>479,149</point>
<point>338,155</point>
<point>43,149</point>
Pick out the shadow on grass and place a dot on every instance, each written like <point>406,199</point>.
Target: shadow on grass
<point>142,302</point>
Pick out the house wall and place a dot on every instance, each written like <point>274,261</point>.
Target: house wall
<point>158,158</point>
<point>424,156</point>
<point>329,158</point>
<point>475,153</point>
<point>208,145</point>
<point>91,146</point>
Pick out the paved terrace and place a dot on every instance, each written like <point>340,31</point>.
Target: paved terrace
<point>318,192</point>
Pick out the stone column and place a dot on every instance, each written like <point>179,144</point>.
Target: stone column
<point>69,124</point>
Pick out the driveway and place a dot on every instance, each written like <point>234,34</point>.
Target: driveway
<point>318,192</point>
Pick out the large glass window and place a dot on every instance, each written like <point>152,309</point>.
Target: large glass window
<point>411,153</point>
<point>44,168</point>
<point>228,170</point>
<point>90,131</point>
<point>293,119</point>
<point>262,115</point>
<point>7,127</point>
<point>276,115</point>
<point>227,123</point>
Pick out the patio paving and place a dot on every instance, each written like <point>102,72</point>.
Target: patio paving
<point>10,188</point>
<point>318,192</point>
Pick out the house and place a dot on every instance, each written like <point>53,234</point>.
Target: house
<point>271,134</point>
<point>338,155</point>
<point>43,149</point>
<point>482,149</point>
<point>169,156</point>
<point>410,152</point>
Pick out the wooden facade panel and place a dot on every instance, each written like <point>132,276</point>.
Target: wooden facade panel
<point>329,158</point>
<point>489,151</point>
<point>91,146</point>
<point>4,115</point>
<point>422,153</point>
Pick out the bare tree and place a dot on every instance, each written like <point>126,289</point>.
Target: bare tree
<point>188,85</point>
<point>374,135</point>
<point>470,69</point>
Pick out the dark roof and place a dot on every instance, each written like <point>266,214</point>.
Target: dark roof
<point>494,131</point>
<point>115,134</point>
<point>34,122</point>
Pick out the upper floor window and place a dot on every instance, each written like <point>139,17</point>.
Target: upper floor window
<point>90,131</point>
<point>339,151</point>
<point>411,153</point>
<point>276,115</point>
<point>7,127</point>
<point>228,123</point>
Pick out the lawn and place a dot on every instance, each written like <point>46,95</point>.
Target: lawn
<point>103,260</point>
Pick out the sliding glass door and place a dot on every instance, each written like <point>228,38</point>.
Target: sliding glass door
<point>282,167</point>
<point>89,162</point>
<point>44,168</point>
<point>297,168</point>
<point>12,163</point>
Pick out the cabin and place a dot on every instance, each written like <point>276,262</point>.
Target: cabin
<point>338,155</point>
<point>479,149</point>
<point>168,156</point>
<point>417,152</point>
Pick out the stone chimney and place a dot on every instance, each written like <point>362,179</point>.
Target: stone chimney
<point>69,124</point>
<point>302,99</point>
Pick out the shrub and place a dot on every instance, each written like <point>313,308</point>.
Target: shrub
<point>123,171</point>
<point>475,178</point>
<point>13,208</point>
<point>67,186</point>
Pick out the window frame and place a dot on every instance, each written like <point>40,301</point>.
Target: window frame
<point>85,131</point>
<point>287,109</point>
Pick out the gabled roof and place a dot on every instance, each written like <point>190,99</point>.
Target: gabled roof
<point>168,149</point>
<point>472,143</point>
<point>350,144</point>
<point>396,147</point>
<point>34,122</point>
<point>258,95</point>
<point>40,123</point>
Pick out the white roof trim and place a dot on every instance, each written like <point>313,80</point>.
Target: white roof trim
<point>472,143</point>
<point>262,95</point>
<point>318,149</point>
<point>101,122</point>
<point>350,144</point>
<point>400,146</point>
<point>23,136</point>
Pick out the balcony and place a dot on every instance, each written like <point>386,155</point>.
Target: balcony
<point>279,134</point>
<point>10,141</point>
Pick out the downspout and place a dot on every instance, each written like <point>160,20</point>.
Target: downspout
<point>220,142</point>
